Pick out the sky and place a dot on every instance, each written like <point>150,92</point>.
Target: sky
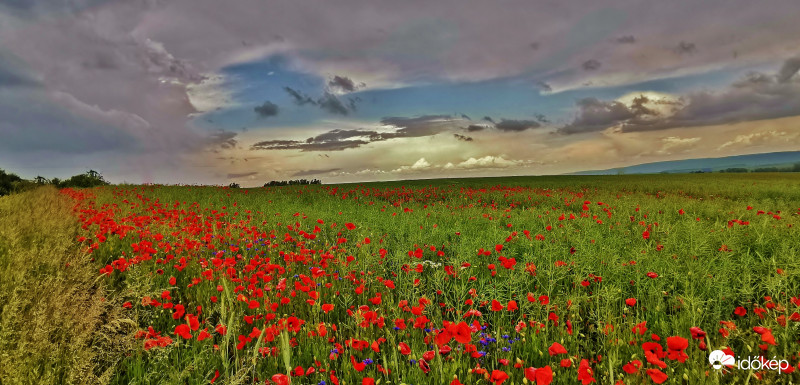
<point>249,91</point>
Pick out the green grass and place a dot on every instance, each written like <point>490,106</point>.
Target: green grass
<point>707,266</point>
<point>56,324</point>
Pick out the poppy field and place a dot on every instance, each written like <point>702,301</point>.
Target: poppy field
<point>545,280</point>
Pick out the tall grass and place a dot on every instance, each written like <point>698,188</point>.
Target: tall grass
<point>56,325</point>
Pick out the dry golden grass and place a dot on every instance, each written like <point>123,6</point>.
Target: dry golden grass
<point>56,325</point>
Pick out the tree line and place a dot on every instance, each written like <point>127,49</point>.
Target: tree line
<point>13,183</point>
<point>793,168</point>
<point>291,182</point>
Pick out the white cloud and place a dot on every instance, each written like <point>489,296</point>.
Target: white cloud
<point>674,144</point>
<point>419,165</point>
<point>487,161</point>
<point>763,138</point>
<point>210,93</point>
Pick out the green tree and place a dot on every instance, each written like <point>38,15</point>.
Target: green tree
<point>88,179</point>
<point>8,182</point>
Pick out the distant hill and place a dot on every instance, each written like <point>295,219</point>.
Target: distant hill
<point>750,162</point>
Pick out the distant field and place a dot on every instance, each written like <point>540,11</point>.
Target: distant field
<point>572,279</point>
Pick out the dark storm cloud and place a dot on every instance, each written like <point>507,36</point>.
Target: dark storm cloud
<point>463,137</point>
<point>789,69</point>
<point>13,76</point>
<point>304,146</point>
<point>475,127</point>
<point>267,109</point>
<point>543,86</point>
<point>101,61</point>
<point>242,175</point>
<point>685,47</point>
<point>337,140</point>
<point>315,172</point>
<point>757,96</point>
<point>343,83</point>
<point>329,102</point>
<point>31,120</point>
<point>516,125</point>
<point>591,65</point>
<point>298,97</point>
<point>352,103</point>
<point>541,118</point>
<point>628,39</point>
<point>419,126</point>
<point>338,135</point>
<point>334,140</point>
<point>9,79</point>
<point>597,115</point>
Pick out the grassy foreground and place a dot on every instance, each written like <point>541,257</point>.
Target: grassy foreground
<point>551,280</point>
<point>55,324</point>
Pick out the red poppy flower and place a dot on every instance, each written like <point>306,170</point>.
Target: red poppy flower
<point>358,366</point>
<point>183,331</point>
<point>585,373</point>
<point>640,328</point>
<point>203,334</point>
<point>280,379</point>
<point>697,333</point>
<point>630,301</point>
<point>404,348</point>
<point>461,332</point>
<point>653,359</point>
<point>221,329</point>
<point>443,337</point>
<point>676,346</point>
<point>657,376</point>
<point>632,367</point>
<point>766,334</point>
<point>542,376</point>
<point>497,306</point>
<point>556,349</point>
<point>424,366</point>
<point>498,377</point>
<point>512,305</point>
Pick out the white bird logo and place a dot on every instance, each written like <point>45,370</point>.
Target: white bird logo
<point>718,358</point>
